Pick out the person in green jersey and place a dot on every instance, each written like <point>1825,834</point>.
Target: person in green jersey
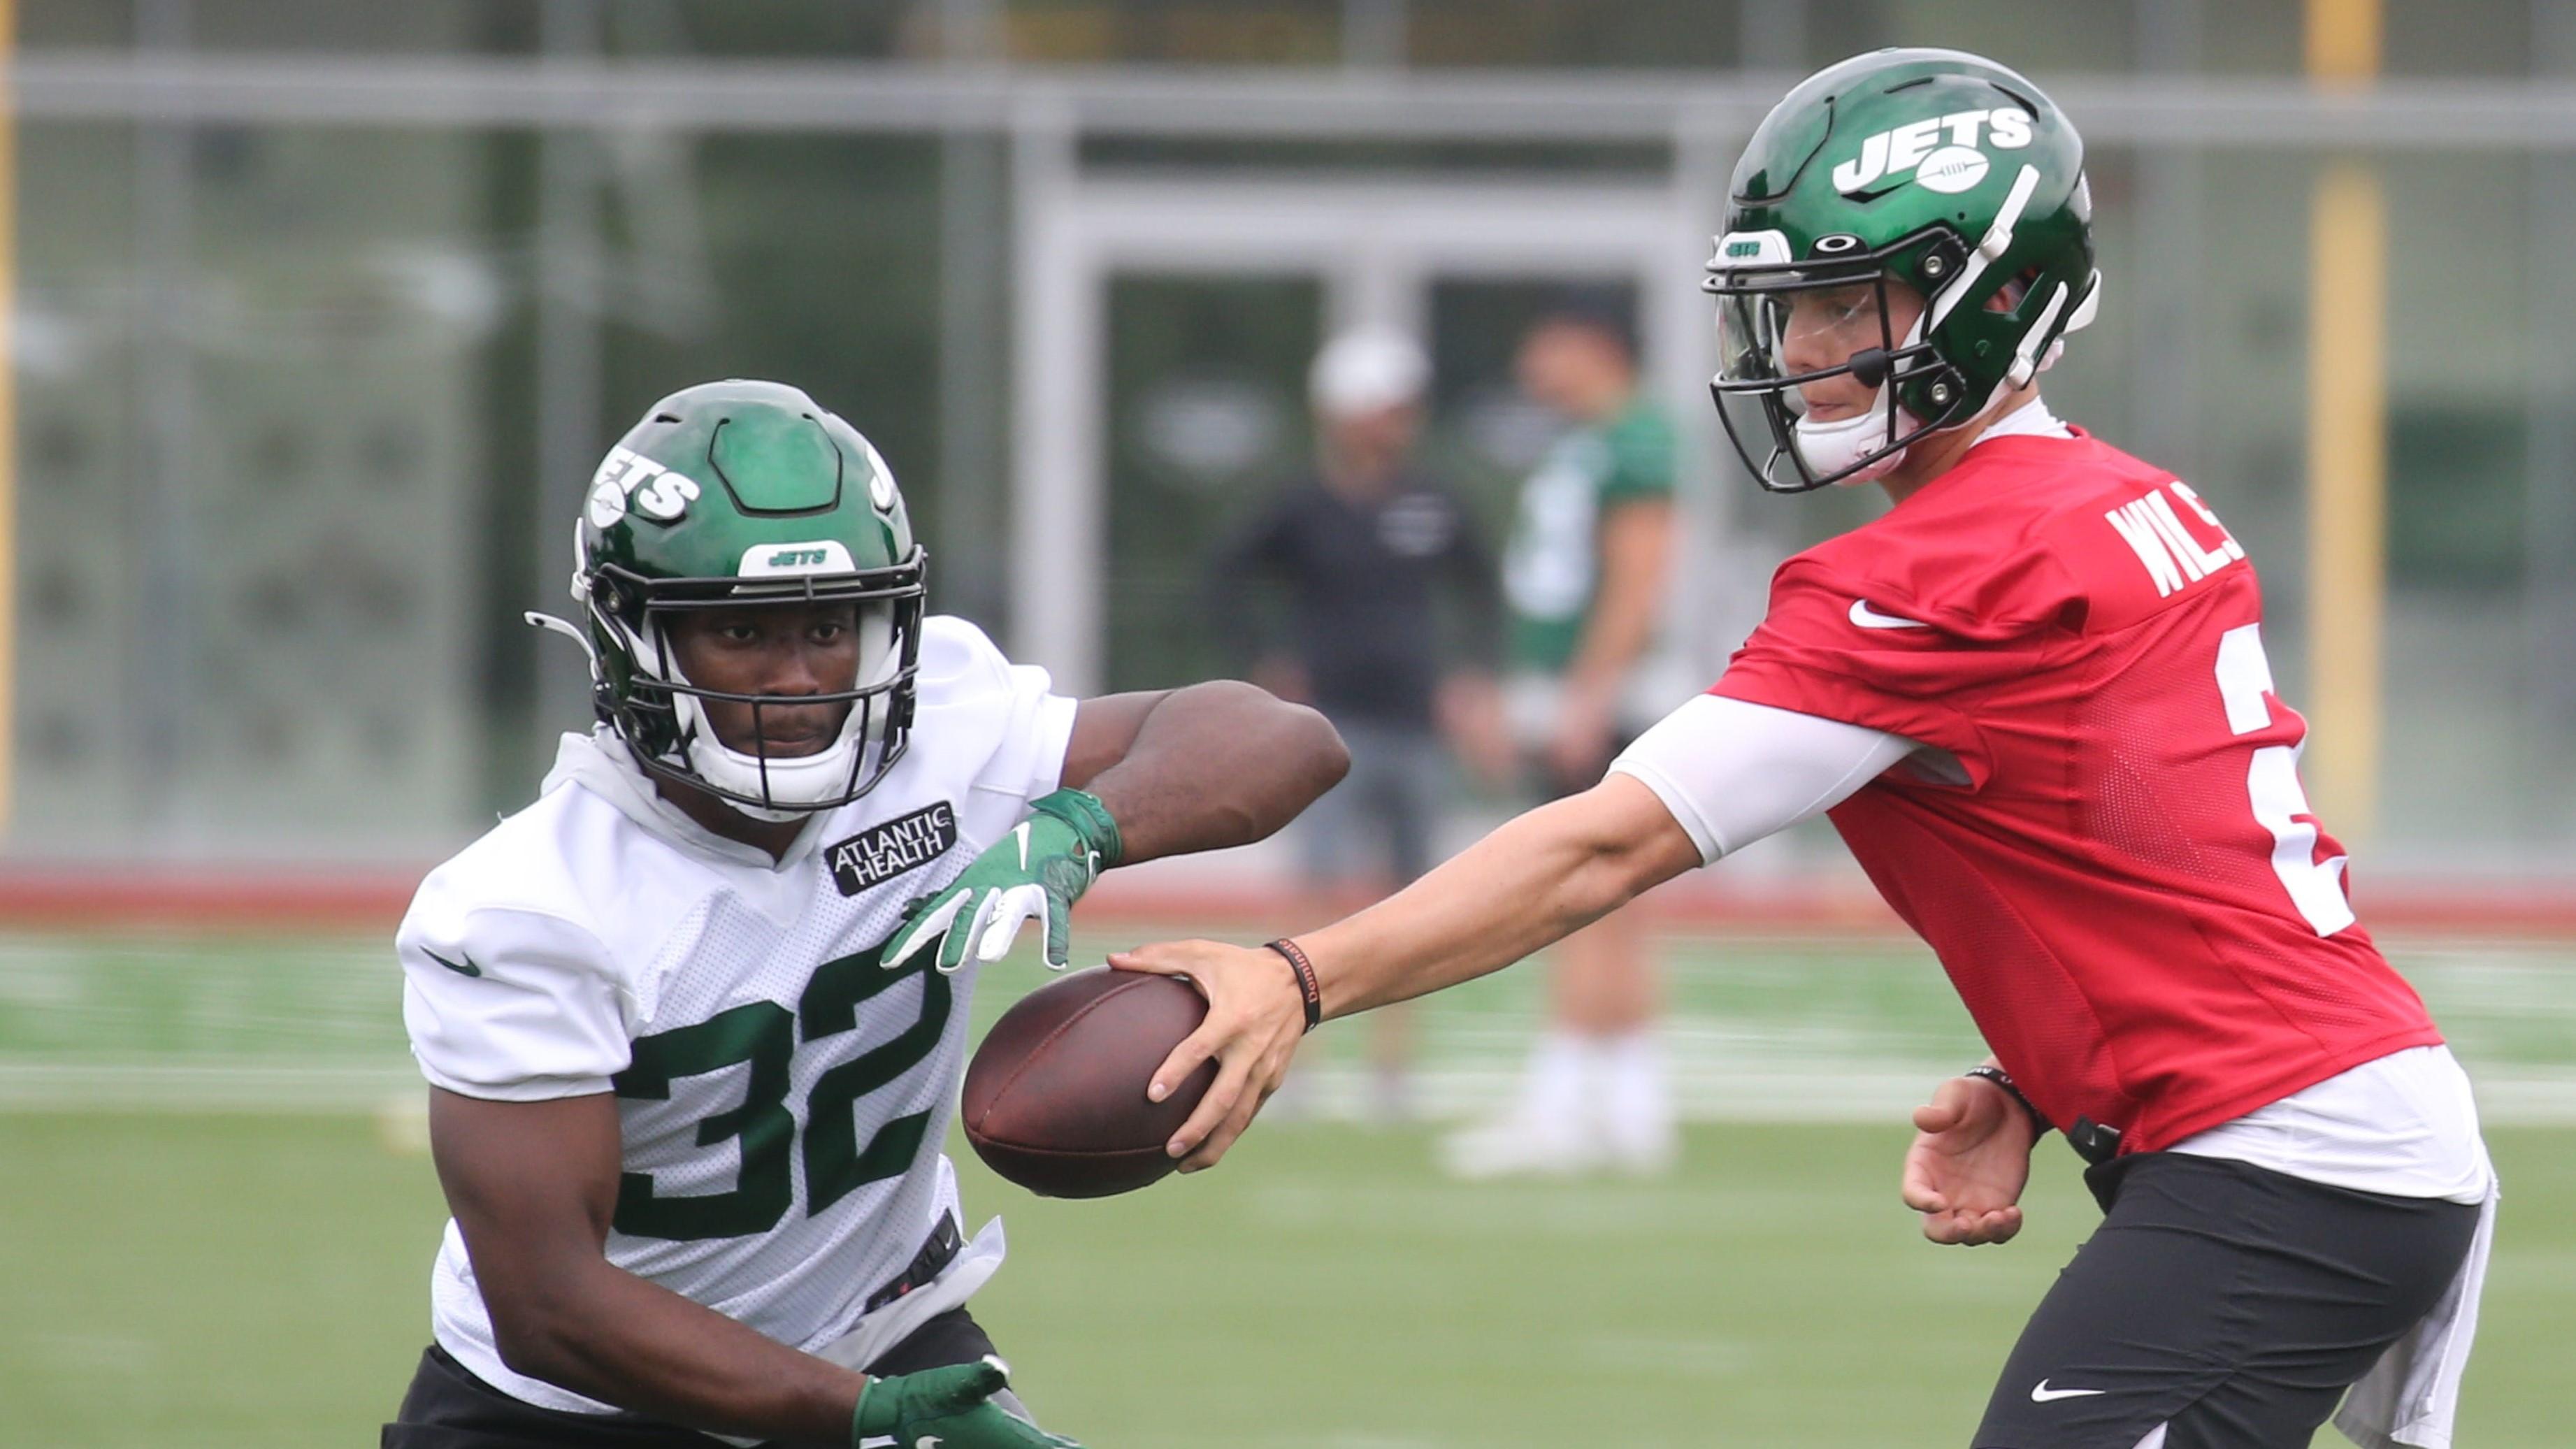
<point>1583,579</point>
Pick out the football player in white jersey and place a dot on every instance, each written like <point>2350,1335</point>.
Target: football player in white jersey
<point>693,1022</point>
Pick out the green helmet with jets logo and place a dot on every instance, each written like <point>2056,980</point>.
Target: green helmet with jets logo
<point>735,493</point>
<point>1935,170</point>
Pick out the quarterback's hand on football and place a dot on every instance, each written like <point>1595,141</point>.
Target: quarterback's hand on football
<point>1035,873</point>
<point>1969,1163</point>
<point>1254,1020</point>
<point>951,1407</point>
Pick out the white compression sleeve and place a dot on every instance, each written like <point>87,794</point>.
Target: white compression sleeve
<point>1733,772</point>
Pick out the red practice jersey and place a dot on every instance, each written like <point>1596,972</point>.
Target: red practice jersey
<point>2127,887</point>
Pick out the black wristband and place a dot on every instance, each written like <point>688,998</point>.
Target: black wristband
<point>2001,1078</point>
<point>1307,986</point>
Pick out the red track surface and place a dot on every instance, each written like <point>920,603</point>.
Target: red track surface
<point>123,898</point>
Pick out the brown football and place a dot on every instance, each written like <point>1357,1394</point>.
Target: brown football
<point>1055,1097</point>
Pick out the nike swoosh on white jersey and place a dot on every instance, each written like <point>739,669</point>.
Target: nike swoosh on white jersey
<point>2043,1394</point>
<point>1869,618</point>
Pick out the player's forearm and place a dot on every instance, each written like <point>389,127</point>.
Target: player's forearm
<point>1532,882</point>
<point>609,1335</point>
<point>1217,765</point>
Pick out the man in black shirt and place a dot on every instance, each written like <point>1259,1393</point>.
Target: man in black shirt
<point>1364,552</point>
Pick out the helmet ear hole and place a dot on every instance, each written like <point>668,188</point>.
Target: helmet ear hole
<point>2009,297</point>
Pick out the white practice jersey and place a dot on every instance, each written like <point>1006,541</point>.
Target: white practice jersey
<point>782,1096</point>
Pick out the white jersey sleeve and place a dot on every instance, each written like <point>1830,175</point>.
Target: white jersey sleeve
<point>1732,772</point>
<point>509,1004</point>
<point>1013,727</point>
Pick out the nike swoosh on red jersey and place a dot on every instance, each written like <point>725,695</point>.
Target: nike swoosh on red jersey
<point>1868,618</point>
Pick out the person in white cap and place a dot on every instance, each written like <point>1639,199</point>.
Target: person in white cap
<point>1392,612</point>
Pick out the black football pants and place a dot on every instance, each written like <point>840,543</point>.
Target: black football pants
<point>447,1407</point>
<point>2230,1304</point>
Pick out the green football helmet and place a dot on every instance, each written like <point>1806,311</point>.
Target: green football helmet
<point>740,492</point>
<point>1936,169</point>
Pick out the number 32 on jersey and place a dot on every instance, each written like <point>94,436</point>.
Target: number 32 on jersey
<point>765,1035</point>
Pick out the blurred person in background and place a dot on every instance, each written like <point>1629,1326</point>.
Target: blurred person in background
<point>1584,577</point>
<point>1377,559</point>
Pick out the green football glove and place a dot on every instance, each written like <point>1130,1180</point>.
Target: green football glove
<point>1036,872</point>
<point>946,1408</point>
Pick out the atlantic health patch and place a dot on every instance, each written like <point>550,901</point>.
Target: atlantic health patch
<point>882,852</point>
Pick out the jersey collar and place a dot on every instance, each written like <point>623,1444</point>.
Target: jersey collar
<point>599,763</point>
<point>2031,420</point>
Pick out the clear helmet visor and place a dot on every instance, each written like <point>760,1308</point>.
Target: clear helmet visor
<point>1794,329</point>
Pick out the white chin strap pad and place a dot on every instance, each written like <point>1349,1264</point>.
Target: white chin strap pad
<point>1832,447</point>
<point>801,780</point>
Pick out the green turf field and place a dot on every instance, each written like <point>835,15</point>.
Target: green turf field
<point>177,1270</point>
<point>260,1281</point>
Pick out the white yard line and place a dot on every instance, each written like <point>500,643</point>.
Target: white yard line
<point>213,1087</point>
<point>1813,1091</point>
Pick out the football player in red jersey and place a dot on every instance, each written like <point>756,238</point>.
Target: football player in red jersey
<point>2033,699</point>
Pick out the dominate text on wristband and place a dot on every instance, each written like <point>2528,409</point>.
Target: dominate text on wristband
<point>1307,986</point>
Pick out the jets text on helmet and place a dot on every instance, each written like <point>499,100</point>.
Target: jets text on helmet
<point>1903,149</point>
